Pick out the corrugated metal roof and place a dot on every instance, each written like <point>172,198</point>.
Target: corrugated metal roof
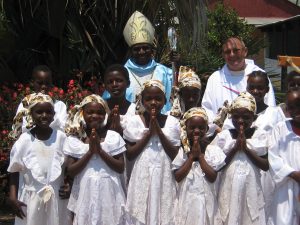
<point>257,21</point>
<point>296,2</point>
<point>297,17</point>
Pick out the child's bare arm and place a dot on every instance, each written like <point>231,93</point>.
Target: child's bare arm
<point>134,149</point>
<point>15,204</point>
<point>295,175</point>
<point>260,162</point>
<point>169,148</point>
<point>184,170</point>
<point>114,162</point>
<point>209,172</point>
<point>75,166</point>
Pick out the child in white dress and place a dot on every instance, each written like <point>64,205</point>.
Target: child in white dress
<point>267,118</point>
<point>153,140</point>
<point>293,81</point>
<point>42,82</point>
<point>95,159</point>
<point>195,169</point>
<point>240,196</point>
<point>187,94</point>
<point>284,162</point>
<point>37,158</point>
<point>116,80</point>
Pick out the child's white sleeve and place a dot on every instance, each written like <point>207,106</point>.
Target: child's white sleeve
<point>134,130</point>
<point>114,143</point>
<point>215,157</point>
<point>16,158</point>
<point>179,160</point>
<point>61,115</point>
<point>279,169</point>
<point>74,147</point>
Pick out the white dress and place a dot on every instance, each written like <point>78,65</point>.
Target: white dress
<point>60,116</point>
<point>128,164</point>
<point>240,197</point>
<point>197,201</point>
<point>151,196</point>
<point>284,158</point>
<point>219,85</point>
<point>40,166</point>
<point>97,197</point>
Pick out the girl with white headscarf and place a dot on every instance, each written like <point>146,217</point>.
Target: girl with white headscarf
<point>95,159</point>
<point>240,197</point>
<point>36,163</point>
<point>195,168</point>
<point>153,141</point>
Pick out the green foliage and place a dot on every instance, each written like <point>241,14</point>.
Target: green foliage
<point>223,22</point>
<point>87,35</point>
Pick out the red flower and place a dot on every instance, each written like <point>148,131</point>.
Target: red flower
<point>14,95</point>
<point>61,91</point>
<point>50,94</point>
<point>27,90</point>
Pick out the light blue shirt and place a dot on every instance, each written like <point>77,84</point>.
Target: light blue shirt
<point>161,73</point>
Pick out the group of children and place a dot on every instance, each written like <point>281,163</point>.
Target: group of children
<point>130,164</point>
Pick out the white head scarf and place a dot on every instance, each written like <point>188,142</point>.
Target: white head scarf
<point>244,100</point>
<point>149,83</point>
<point>196,111</point>
<point>28,103</point>
<point>186,78</point>
<point>75,124</point>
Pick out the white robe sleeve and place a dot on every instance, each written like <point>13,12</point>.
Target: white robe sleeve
<point>60,116</point>
<point>208,102</point>
<point>278,167</point>
<point>270,96</point>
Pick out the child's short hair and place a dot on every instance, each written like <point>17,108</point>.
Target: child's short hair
<point>293,89</point>
<point>42,68</point>
<point>120,68</point>
<point>291,75</point>
<point>261,74</point>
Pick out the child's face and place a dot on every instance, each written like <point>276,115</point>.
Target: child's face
<point>242,117</point>
<point>42,82</point>
<point>294,82</point>
<point>190,96</point>
<point>42,114</point>
<point>293,105</point>
<point>94,115</point>
<point>115,83</point>
<point>196,126</point>
<point>257,87</point>
<point>153,98</point>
